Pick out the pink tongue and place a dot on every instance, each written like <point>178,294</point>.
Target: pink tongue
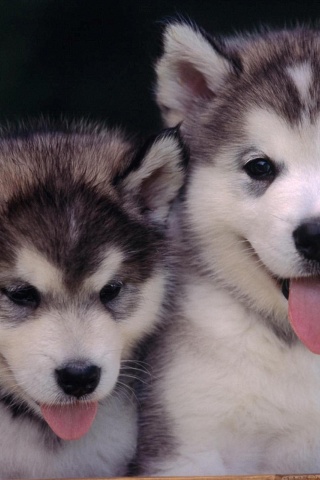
<point>70,422</point>
<point>304,311</point>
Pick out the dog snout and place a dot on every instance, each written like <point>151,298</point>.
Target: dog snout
<point>307,239</point>
<point>78,378</point>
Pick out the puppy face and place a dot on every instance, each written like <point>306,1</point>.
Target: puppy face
<point>249,107</point>
<point>82,272</point>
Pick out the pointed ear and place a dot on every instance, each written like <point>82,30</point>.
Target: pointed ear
<point>155,175</point>
<point>192,67</point>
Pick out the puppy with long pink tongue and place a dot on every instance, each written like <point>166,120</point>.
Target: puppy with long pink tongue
<point>304,311</point>
<point>70,422</point>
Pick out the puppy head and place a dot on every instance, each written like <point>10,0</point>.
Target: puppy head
<point>82,270</point>
<point>249,107</point>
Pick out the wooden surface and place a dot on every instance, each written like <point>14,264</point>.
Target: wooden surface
<point>241,477</point>
<point>229,477</point>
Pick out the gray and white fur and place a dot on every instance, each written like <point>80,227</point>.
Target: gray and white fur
<point>82,274</point>
<point>234,390</point>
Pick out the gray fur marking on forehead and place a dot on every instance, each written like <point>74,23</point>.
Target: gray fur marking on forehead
<point>281,69</point>
<point>302,77</point>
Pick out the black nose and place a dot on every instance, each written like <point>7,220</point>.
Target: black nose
<point>78,379</point>
<point>307,239</point>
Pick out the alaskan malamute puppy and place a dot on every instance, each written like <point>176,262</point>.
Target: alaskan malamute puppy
<point>82,274</point>
<point>237,372</point>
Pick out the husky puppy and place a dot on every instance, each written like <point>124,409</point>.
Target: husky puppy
<point>82,275</point>
<point>237,372</point>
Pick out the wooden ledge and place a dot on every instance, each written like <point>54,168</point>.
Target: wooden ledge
<point>227,477</point>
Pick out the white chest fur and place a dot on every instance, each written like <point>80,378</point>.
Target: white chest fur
<point>243,401</point>
<point>26,453</point>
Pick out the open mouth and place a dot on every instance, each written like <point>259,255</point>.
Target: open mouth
<point>303,295</point>
<point>285,285</point>
<point>70,421</point>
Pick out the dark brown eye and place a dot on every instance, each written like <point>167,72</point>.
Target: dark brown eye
<point>110,291</point>
<point>260,169</point>
<point>24,296</point>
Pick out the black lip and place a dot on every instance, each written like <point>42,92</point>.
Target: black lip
<point>285,288</point>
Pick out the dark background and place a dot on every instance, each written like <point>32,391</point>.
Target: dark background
<point>94,58</point>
